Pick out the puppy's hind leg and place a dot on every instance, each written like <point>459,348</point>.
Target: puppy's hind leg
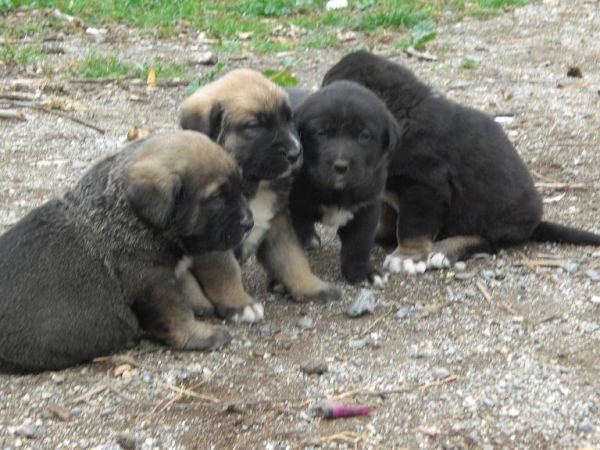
<point>447,252</point>
<point>166,316</point>
<point>281,255</point>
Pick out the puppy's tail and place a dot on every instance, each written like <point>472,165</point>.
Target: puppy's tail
<point>553,232</point>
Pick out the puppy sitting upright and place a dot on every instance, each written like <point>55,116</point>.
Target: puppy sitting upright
<point>252,119</point>
<point>456,183</point>
<point>347,134</point>
<point>80,274</point>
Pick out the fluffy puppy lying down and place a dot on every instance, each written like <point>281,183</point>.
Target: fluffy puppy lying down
<point>81,274</point>
<point>251,118</point>
<point>456,184</point>
<point>347,134</point>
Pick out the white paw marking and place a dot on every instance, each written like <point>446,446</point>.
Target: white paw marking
<point>252,313</point>
<point>379,282</point>
<point>438,261</point>
<point>395,264</point>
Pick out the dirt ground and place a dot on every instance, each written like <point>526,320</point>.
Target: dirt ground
<point>504,354</point>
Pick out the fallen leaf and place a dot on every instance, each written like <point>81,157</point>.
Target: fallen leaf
<point>138,133</point>
<point>151,80</point>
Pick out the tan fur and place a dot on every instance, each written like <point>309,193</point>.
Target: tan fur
<point>241,93</point>
<point>415,248</point>
<point>221,278</point>
<point>239,96</point>
<point>285,260</point>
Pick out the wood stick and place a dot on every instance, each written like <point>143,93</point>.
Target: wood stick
<point>483,290</point>
<point>12,114</point>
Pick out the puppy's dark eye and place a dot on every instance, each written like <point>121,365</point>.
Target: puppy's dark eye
<point>320,135</point>
<point>251,124</point>
<point>365,136</point>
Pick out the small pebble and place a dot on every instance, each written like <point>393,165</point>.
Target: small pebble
<point>513,412</point>
<point>440,373</point>
<point>488,403</point>
<point>265,330</point>
<point>363,304</point>
<point>28,430</point>
<point>488,274</point>
<point>208,59</point>
<point>571,267</point>
<point>315,366</point>
<point>586,426</point>
<point>127,441</point>
<point>357,344</point>
<point>595,299</point>
<point>464,275</point>
<point>402,313</point>
<point>592,275</point>
<point>305,322</point>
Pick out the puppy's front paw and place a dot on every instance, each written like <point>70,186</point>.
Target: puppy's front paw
<point>328,292</point>
<point>249,313</point>
<point>395,264</point>
<point>355,273</point>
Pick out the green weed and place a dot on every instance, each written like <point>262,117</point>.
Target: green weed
<point>24,54</point>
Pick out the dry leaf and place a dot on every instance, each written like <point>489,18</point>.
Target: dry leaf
<point>138,133</point>
<point>120,370</point>
<point>151,81</point>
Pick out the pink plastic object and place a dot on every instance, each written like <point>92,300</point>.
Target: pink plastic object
<point>333,410</point>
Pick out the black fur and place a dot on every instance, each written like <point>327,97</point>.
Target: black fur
<point>346,133</point>
<point>80,274</point>
<point>455,171</point>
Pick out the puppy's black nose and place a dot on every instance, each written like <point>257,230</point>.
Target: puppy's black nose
<point>341,167</point>
<point>293,155</point>
<point>247,221</point>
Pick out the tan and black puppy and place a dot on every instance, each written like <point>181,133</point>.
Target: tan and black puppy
<point>251,118</point>
<point>455,185</point>
<point>81,274</point>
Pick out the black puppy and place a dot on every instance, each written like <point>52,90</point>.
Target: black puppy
<point>346,134</point>
<point>456,183</point>
<point>80,274</point>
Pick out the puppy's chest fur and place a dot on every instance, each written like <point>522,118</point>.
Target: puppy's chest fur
<point>335,216</point>
<point>269,200</point>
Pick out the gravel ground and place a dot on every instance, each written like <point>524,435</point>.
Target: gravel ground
<point>500,353</point>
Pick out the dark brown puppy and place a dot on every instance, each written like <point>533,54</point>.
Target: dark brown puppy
<point>251,118</point>
<point>80,274</point>
<point>456,183</point>
<point>347,134</point>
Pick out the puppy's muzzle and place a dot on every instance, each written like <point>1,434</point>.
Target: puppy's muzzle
<point>340,167</point>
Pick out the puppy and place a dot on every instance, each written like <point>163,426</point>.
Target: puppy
<point>347,134</point>
<point>251,118</point>
<point>81,274</point>
<point>456,185</point>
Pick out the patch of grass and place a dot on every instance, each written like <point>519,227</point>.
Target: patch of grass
<point>21,54</point>
<point>98,66</point>
<point>420,34</point>
<point>265,19</point>
<point>468,63</point>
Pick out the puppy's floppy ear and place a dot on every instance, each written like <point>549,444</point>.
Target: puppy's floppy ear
<point>393,134</point>
<point>205,118</point>
<point>153,194</point>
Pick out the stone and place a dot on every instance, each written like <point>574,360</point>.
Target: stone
<point>592,275</point>
<point>315,366</point>
<point>363,304</point>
